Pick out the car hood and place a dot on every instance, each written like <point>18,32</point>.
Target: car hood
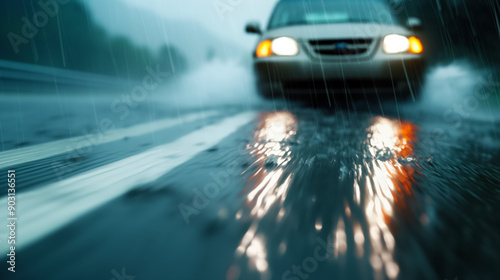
<point>337,31</point>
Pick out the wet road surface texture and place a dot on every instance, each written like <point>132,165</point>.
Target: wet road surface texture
<point>275,190</point>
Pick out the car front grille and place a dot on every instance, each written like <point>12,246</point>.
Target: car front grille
<point>340,47</point>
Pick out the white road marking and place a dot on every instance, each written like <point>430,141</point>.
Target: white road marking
<point>44,210</point>
<point>46,150</point>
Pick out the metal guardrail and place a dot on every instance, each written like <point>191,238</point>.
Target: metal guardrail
<point>29,73</point>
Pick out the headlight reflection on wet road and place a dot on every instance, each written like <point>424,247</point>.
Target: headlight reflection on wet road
<point>386,177</point>
<point>380,184</point>
<point>272,150</point>
<point>270,182</point>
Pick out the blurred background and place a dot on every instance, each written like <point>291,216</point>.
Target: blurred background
<point>119,37</point>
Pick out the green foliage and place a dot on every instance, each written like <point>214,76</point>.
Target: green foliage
<point>71,39</point>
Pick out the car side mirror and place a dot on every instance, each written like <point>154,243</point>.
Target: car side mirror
<point>414,24</point>
<point>253,28</point>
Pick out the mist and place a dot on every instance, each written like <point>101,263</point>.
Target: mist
<point>461,89</point>
<point>216,83</point>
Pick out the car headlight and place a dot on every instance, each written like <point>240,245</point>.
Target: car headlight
<point>283,46</point>
<point>400,44</point>
<point>264,49</point>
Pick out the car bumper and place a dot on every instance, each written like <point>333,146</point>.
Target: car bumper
<point>302,75</point>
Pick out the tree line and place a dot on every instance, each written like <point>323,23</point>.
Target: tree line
<point>62,33</point>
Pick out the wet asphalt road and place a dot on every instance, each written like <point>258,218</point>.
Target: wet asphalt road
<point>273,190</point>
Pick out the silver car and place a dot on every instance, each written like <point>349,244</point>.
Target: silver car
<point>344,47</point>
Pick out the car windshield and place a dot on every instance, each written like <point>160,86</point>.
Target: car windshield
<point>289,13</point>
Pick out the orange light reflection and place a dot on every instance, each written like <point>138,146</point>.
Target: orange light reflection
<point>385,181</point>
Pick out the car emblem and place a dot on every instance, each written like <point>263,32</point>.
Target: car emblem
<point>341,46</point>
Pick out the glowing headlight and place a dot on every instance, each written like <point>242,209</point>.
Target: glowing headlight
<point>284,46</point>
<point>264,49</point>
<point>415,45</point>
<point>396,44</point>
